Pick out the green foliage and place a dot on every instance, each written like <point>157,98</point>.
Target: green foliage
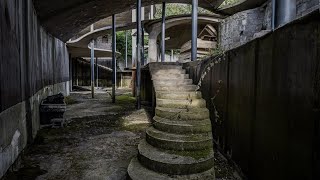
<point>229,2</point>
<point>121,44</point>
<point>177,9</point>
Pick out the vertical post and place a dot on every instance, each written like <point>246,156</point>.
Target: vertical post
<point>77,72</point>
<point>126,54</point>
<point>114,64</point>
<point>92,68</point>
<point>71,71</point>
<point>273,14</point>
<point>138,59</point>
<point>97,72</point>
<point>142,56</point>
<point>171,59</point>
<point>163,32</point>
<point>194,43</point>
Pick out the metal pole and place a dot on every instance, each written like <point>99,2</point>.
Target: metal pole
<point>138,88</point>
<point>126,49</point>
<point>92,68</point>
<point>273,14</point>
<point>142,56</point>
<point>194,43</point>
<point>163,32</point>
<point>114,64</point>
<point>97,72</point>
<point>171,55</point>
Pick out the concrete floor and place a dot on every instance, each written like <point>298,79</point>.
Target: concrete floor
<point>98,141</point>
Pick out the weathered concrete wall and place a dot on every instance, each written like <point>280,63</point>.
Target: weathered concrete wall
<point>266,106</point>
<point>306,6</point>
<point>33,65</point>
<point>240,28</point>
<point>243,27</point>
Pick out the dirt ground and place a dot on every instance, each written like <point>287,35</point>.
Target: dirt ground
<point>97,142</point>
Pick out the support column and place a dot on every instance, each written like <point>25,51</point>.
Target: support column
<point>163,32</point>
<point>142,56</point>
<point>153,47</point>
<point>194,43</point>
<point>126,54</point>
<point>171,59</point>
<point>286,11</point>
<point>92,68</point>
<point>138,59</point>
<point>114,61</point>
<point>97,72</point>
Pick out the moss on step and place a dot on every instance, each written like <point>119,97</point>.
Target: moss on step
<point>194,154</point>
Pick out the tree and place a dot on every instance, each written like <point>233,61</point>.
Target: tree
<point>121,44</point>
<point>178,9</point>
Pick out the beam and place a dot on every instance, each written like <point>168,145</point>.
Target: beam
<point>163,32</point>
<point>114,61</point>
<point>138,55</point>
<point>194,30</point>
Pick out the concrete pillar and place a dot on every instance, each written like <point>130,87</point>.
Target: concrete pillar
<point>153,47</point>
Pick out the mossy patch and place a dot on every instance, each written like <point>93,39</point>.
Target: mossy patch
<point>194,154</point>
<point>125,99</point>
<point>135,127</point>
<point>70,100</point>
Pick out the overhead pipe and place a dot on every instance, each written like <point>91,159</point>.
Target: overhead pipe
<point>286,11</point>
<point>194,41</point>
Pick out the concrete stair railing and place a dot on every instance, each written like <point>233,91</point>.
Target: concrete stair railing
<point>179,144</point>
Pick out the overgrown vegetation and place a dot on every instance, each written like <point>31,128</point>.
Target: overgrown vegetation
<point>177,9</point>
<point>229,3</point>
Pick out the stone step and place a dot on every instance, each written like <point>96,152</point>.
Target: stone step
<point>179,142</point>
<point>154,67</point>
<point>156,77</point>
<point>168,71</point>
<point>175,162</point>
<point>176,88</point>
<point>173,82</point>
<point>138,172</point>
<point>192,114</point>
<point>182,127</point>
<point>179,95</point>
<point>172,103</point>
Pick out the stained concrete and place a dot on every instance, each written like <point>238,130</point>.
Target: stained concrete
<point>98,142</point>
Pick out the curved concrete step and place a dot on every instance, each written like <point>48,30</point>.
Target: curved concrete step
<point>169,76</point>
<point>170,126</point>
<point>179,95</point>
<point>168,71</point>
<point>138,172</point>
<point>176,88</point>
<point>179,142</point>
<point>192,114</point>
<point>157,66</point>
<point>175,162</point>
<point>173,82</point>
<point>172,103</point>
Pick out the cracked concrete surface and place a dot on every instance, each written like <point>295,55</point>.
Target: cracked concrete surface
<point>98,142</point>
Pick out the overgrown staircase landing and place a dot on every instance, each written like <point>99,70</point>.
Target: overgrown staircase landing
<point>179,144</point>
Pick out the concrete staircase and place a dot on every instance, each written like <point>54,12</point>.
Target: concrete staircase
<point>179,144</point>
